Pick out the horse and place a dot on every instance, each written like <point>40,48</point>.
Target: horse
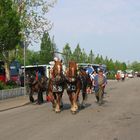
<point>86,84</point>
<point>38,86</point>
<point>56,86</point>
<point>73,85</point>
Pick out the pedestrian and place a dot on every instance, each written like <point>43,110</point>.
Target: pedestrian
<point>92,79</point>
<point>22,79</point>
<point>117,76</point>
<point>100,82</point>
<point>89,70</point>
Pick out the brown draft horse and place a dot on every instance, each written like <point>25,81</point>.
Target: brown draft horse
<point>73,85</point>
<point>56,86</point>
<point>38,86</point>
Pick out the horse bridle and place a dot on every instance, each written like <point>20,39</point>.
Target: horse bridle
<point>57,73</point>
<point>71,75</point>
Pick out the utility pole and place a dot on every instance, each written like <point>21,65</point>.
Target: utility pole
<point>21,4</point>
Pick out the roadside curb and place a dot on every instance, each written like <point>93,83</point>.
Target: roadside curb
<point>14,107</point>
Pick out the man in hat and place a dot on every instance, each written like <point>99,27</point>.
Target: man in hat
<point>99,83</point>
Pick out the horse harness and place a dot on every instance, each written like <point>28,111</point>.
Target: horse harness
<point>57,81</point>
<point>71,82</point>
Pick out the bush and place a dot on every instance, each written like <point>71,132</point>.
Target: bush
<point>111,76</point>
<point>11,84</point>
<point>2,85</point>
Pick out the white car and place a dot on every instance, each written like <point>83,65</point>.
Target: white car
<point>130,75</point>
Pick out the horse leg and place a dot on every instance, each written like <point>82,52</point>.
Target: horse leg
<point>31,96</point>
<point>58,98</point>
<point>61,102</point>
<point>52,98</point>
<point>84,98</point>
<point>40,97</point>
<point>75,106</point>
<point>76,98</point>
<point>71,100</point>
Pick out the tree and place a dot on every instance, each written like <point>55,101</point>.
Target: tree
<point>110,65</point>
<point>91,57</point>
<point>135,66</point>
<point>34,18</point>
<point>97,59</point>
<point>9,31</point>
<point>84,57</point>
<point>124,66</point>
<point>67,54</point>
<point>77,54</point>
<point>46,49</point>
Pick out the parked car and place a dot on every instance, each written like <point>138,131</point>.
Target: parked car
<point>130,75</point>
<point>138,74</point>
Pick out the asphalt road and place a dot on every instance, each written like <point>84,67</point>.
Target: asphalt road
<point>117,119</point>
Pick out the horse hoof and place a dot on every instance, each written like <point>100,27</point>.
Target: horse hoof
<point>32,100</point>
<point>82,106</point>
<point>73,112</point>
<point>100,103</point>
<point>57,111</point>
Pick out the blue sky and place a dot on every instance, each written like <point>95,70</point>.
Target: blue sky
<point>108,27</point>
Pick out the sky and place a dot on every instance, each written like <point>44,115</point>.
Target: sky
<point>108,27</point>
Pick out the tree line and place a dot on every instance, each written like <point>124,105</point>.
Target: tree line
<point>48,49</point>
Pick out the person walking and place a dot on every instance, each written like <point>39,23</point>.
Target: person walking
<point>89,70</point>
<point>99,83</point>
<point>22,80</point>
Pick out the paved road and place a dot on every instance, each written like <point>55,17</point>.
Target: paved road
<point>117,119</point>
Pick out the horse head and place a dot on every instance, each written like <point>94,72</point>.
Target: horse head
<point>71,72</point>
<point>57,71</point>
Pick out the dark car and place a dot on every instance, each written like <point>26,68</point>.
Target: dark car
<point>138,74</point>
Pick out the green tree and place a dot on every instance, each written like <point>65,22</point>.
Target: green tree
<point>33,14</point>
<point>110,65</point>
<point>32,58</point>
<point>91,57</point>
<point>97,59</point>
<point>77,54</point>
<point>124,66</point>
<point>135,66</point>
<point>46,50</point>
<point>67,54</point>
<point>84,57</point>
<point>10,28</point>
